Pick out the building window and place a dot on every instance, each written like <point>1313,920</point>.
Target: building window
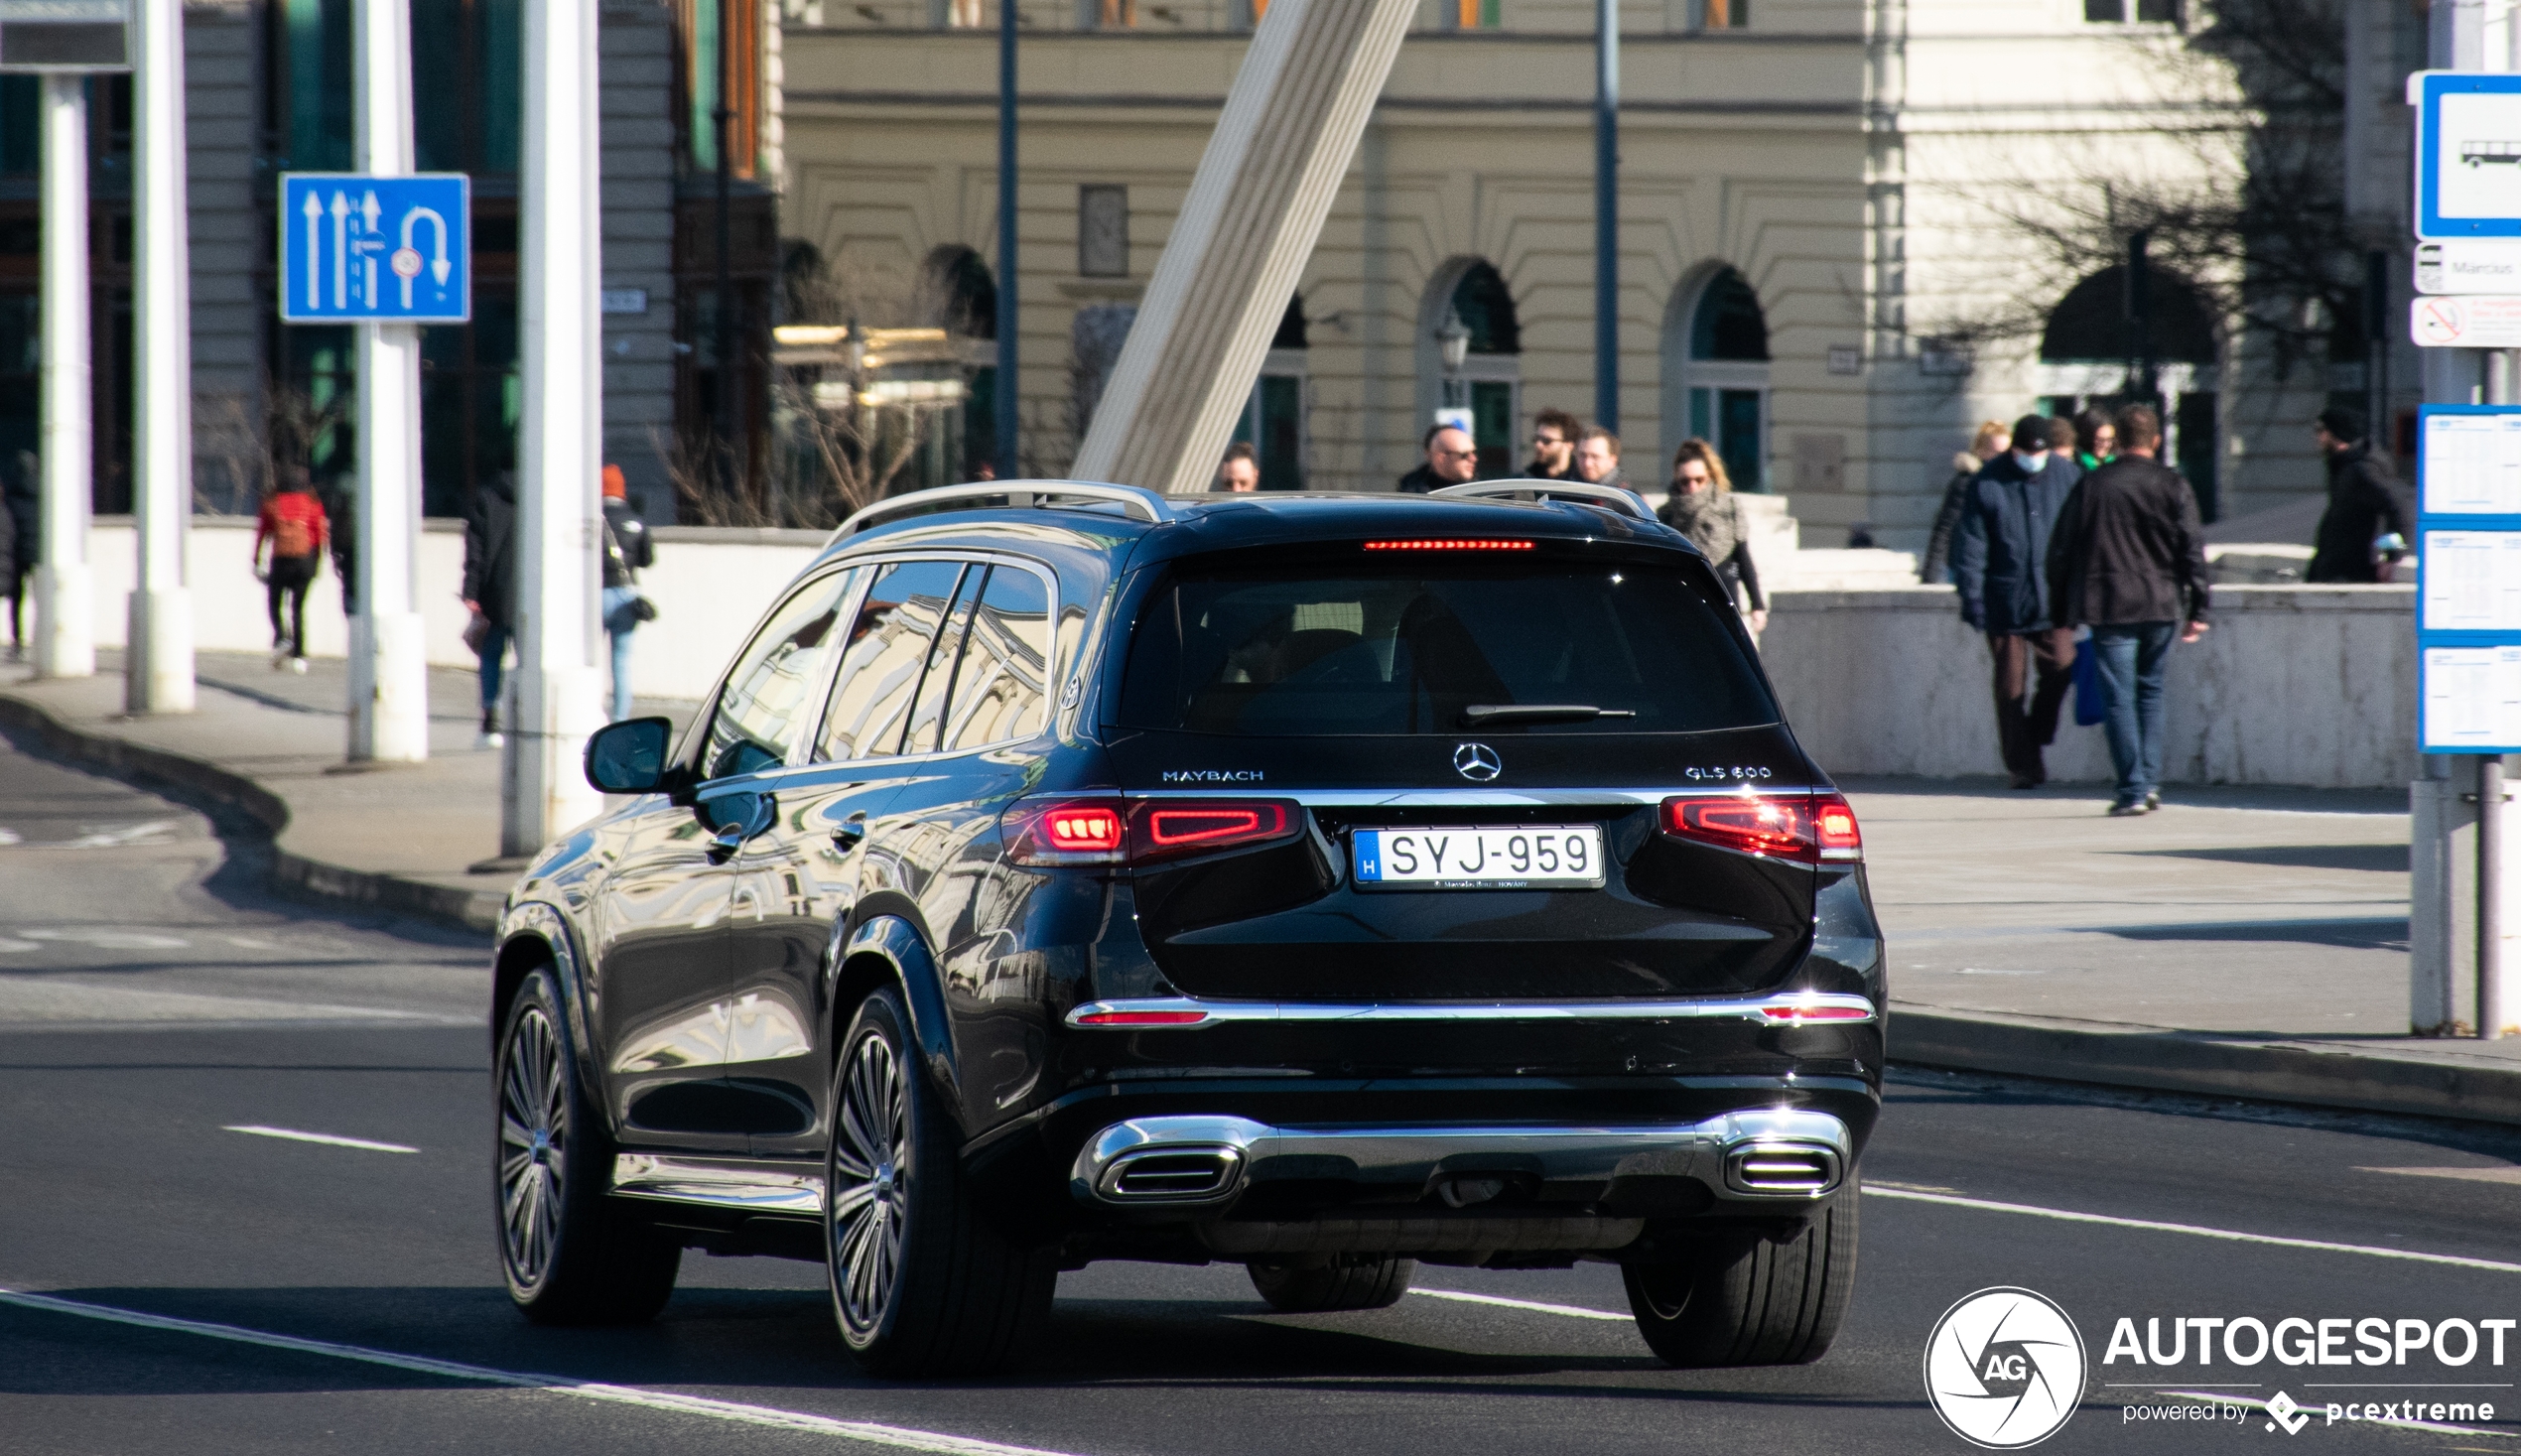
<point>1474,15</point>
<point>1272,421</point>
<point>956,14</point>
<point>1724,377</point>
<point>2119,12</point>
<point>1488,384</point>
<point>720,52</point>
<point>468,55</point>
<point>1719,15</point>
<point>1106,14</point>
<point>1103,231</point>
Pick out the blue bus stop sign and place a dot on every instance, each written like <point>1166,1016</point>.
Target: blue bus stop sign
<point>2467,153</point>
<point>357,249</point>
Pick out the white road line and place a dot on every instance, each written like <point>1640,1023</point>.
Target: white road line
<point>326,1138</point>
<point>1569,1310</point>
<point>2322,1415</point>
<point>1876,1190</point>
<point>900,1437</point>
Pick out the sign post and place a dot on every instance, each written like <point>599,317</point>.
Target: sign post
<point>64,44</point>
<point>157,657</point>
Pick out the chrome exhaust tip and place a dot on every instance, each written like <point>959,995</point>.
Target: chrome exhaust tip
<point>1161,1174</point>
<point>1782,1169</point>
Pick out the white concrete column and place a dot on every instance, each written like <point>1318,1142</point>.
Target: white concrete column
<point>559,682</point>
<point>65,629</point>
<point>1255,207</point>
<point>389,670</point>
<point>158,666</point>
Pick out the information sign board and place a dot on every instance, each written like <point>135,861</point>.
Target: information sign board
<point>375,249</point>
<point>2469,266</point>
<point>2469,578</point>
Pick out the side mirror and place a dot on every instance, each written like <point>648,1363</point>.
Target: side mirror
<point>628,758</point>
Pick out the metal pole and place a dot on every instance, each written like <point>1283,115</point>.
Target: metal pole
<point>1008,463</point>
<point>2140,323</point>
<point>720,115</point>
<point>1606,214</point>
<point>158,665</point>
<point>2490,896</point>
<point>559,679</point>
<point>2376,346</point>
<point>389,673</point>
<point>65,607</point>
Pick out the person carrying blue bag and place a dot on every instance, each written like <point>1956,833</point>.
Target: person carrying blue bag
<point>2128,560</point>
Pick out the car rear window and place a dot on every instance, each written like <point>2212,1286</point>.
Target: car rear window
<point>1413,647</point>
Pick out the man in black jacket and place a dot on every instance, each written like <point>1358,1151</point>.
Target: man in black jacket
<point>2128,560</point>
<point>489,589</point>
<point>2363,499</point>
<point>1452,460</point>
<point>2000,551</point>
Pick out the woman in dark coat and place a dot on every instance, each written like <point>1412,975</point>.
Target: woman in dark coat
<point>1703,508</point>
<point>1992,440</point>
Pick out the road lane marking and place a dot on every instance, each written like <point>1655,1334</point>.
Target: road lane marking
<point>2255,1403</point>
<point>1569,1310</point>
<point>900,1437</point>
<point>2470,1175</point>
<point>326,1138</point>
<point>1877,1190</point>
<point>115,838</point>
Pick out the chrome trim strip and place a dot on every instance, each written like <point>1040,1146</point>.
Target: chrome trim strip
<point>1144,504</point>
<point>1415,1155</point>
<point>751,1187</point>
<point>1617,497</point>
<point>1217,1014</point>
<point>1487,797</point>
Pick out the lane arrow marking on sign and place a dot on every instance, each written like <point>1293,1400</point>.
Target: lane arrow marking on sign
<point>315,252</point>
<point>341,249</point>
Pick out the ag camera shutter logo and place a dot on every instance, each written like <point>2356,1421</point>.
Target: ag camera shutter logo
<point>2004,1368</point>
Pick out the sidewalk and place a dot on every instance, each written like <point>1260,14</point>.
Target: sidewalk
<point>2244,942</point>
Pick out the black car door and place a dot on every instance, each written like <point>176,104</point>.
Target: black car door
<point>661,979</point>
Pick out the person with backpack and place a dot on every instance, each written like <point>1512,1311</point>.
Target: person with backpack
<point>294,523</point>
<point>627,548</point>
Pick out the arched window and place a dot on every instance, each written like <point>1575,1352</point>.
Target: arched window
<point>1716,373</point>
<point>2091,342</point>
<point>1471,295</point>
<point>958,294</point>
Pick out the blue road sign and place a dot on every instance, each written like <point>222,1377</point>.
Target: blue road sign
<point>2469,578</point>
<point>380,249</point>
<point>2468,153</point>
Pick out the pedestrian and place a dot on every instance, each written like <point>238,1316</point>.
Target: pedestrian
<point>2000,554</point>
<point>24,495</point>
<point>2363,503</point>
<point>2128,561</point>
<point>9,568</point>
<point>1452,460</point>
<point>2095,439</point>
<point>1553,441</point>
<point>489,590</point>
<point>293,522</point>
<point>1991,439</point>
<point>628,550</point>
<point>1597,458</point>
<point>341,510</point>
<point>1705,508</point>
<point>1239,474</point>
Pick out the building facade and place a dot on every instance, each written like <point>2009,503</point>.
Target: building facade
<point>1840,228</point>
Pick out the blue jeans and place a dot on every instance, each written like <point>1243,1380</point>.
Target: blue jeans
<point>493,655</point>
<point>619,626</point>
<point>2132,658</point>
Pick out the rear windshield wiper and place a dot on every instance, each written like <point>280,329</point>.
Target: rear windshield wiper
<point>1486,712</point>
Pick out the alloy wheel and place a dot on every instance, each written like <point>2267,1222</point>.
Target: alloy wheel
<point>869,1185</point>
<point>533,1139</point>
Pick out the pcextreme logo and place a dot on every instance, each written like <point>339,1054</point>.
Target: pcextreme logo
<point>2004,1368</point>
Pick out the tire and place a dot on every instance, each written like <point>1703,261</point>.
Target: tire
<point>921,1284</point>
<point>1301,1289</point>
<point>570,1256</point>
<point>1764,1304</point>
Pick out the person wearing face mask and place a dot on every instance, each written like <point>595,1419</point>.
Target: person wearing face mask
<point>2000,554</point>
<point>1703,508</point>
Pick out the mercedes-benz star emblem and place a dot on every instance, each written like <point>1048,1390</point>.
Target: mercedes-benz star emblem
<point>1477,763</point>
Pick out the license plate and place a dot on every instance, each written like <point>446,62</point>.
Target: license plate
<point>1538,857</point>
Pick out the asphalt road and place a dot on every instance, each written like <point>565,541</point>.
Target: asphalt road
<point>176,1284</point>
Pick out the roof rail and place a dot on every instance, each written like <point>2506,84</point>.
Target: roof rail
<point>1618,497</point>
<point>1147,505</point>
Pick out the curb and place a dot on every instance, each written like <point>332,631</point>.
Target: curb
<point>2205,1063</point>
<point>290,872</point>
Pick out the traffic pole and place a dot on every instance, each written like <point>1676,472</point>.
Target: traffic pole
<point>389,673</point>
<point>559,679</point>
<point>1606,215</point>
<point>1003,402</point>
<point>157,664</point>
<point>65,608</point>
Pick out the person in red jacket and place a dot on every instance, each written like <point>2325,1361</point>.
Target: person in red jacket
<point>293,521</point>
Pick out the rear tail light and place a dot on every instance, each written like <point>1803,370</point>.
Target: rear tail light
<point>1806,827</point>
<point>1106,830</point>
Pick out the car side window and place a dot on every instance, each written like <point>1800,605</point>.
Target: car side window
<point>754,721</point>
<point>928,717</point>
<point>1001,692</point>
<point>880,667</point>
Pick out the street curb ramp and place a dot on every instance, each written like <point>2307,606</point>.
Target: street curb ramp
<point>290,872</point>
<point>2206,1064</point>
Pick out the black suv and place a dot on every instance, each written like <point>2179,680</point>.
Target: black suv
<point>1323,883</point>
